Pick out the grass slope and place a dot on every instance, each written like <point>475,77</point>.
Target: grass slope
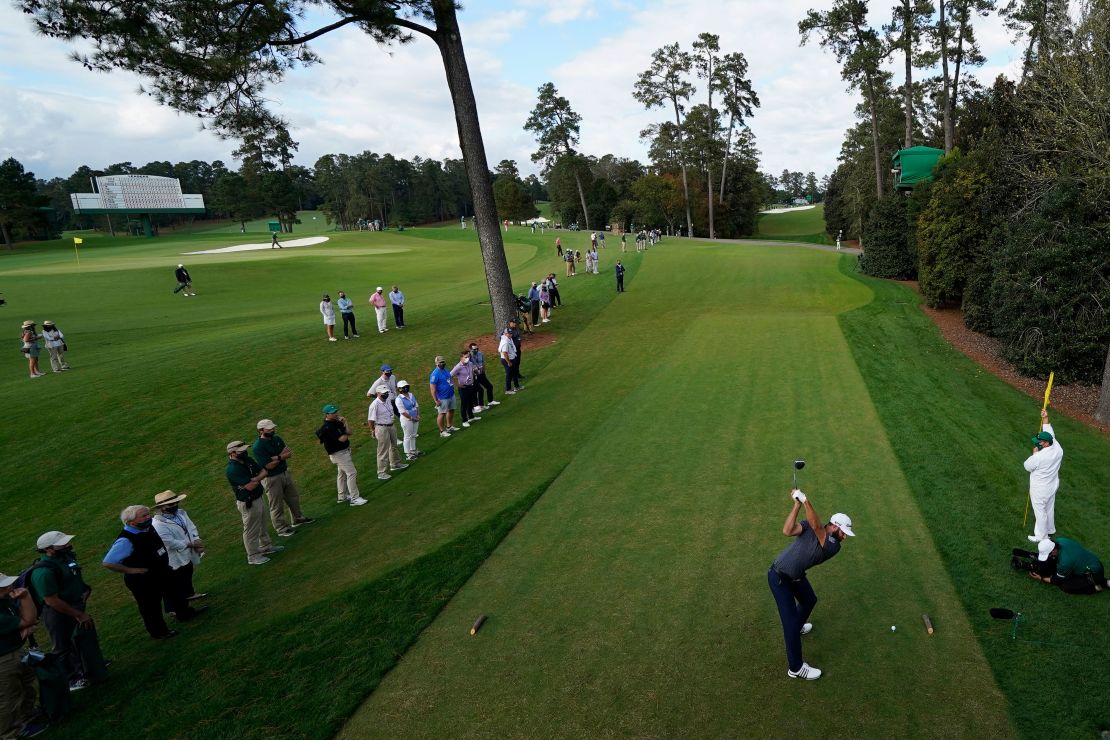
<point>632,600</point>
<point>960,434</point>
<point>796,226</point>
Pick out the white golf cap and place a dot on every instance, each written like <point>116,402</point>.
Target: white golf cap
<point>53,539</point>
<point>6,581</point>
<point>844,522</point>
<point>1044,549</point>
<point>377,289</point>
<point>265,424</point>
<point>181,265</point>
<point>402,384</point>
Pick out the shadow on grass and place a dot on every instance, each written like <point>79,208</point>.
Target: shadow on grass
<point>302,675</point>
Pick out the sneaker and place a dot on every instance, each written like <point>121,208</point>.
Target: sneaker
<point>519,389</point>
<point>1034,538</point>
<point>79,684</point>
<point>807,672</point>
<point>410,458</point>
<point>258,561</point>
<point>466,425</point>
<point>398,466</point>
<point>358,501</point>
<point>384,476</point>
<point>477,409</point>
<point>807,628</point>
<point>305,520</point>
<point>342,500</point>
<point>33,729</point>
<point>445,434</point>
<point>272,549</point>
<point>346,337</point>
<point>194,597</point>
<point>286,533</point>
<point>332,339</point>
<point>508,393</point>
<point>356,336</point>
<point>453,429</point>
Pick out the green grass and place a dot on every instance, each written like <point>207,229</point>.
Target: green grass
<point>797,226</point>
<point>631,598</point>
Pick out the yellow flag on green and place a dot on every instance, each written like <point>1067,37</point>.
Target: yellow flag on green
<point>78,240</point>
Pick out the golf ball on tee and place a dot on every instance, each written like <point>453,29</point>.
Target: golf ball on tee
<point>892,628</point>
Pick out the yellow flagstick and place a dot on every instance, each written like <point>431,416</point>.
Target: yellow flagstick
<point>77,240</point>
<point>1047,392</point>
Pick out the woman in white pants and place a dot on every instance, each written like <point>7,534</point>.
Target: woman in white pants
<point>408,410</point>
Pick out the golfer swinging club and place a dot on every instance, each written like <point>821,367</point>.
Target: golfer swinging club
<point>814,544</point>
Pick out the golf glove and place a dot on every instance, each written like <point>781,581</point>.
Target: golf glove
<point>799,496</point>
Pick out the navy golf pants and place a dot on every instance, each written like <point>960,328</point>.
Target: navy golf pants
<point>795,600</point>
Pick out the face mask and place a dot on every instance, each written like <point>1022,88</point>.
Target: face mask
<point>267,435</point>
<point>441,365</point>
<point>473,349</point>
<point>241,456</point>
<point>171,509</point>
<point>63,552</point>
<point>466,360</point>
<point>142,525</point>
<point>327,300</point>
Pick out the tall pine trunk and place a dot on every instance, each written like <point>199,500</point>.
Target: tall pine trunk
<point>942,33</point>
<point>473,148</point>
<point>907,94</point>
<point>582,199</point>
<point>1102,413</point>
<point>682,157</point>
<point>875,138</point>
<point>724,163</point>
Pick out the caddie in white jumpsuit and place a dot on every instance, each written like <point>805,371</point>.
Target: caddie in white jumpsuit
<point>1044,479</point>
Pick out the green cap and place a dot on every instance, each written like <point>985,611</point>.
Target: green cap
<point>331,408</point>
<point>1042,437</point>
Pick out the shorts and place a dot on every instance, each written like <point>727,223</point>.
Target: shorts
<point>443,405</point>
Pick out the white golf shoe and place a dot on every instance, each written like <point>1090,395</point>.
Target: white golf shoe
<point>807,628</point>
<point>807,672</point>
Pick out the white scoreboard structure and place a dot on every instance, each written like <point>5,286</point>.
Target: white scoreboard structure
<point>139,195</point>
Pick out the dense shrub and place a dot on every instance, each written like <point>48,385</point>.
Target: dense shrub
<point>888,249</point>
<point>1050,294</point>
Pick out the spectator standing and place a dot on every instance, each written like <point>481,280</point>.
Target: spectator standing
<point>18,618</point>
<point>30,348</point>
<point>558,246</point>
<point>183,545</point>
<point>620,276</point>
<point>553,286</point>
<point>245,477</point>
<point>593,239</point>
<point>524,310</point>
<point>595,260</point>
<point>408,411</point>
<point>347,311</point>
<point>184,281</point>
<point>397,300</point>
<point>600,241</point>
<point>140,555</point>
<point>271,452</point>
<point>327,310</point>
<point>385,379</point>
<point>55,345</point>
<point>380,418</point>
<point>518,341</point>
<point>442,392</point>
<point>506,349</point>
<point>534,304</point>
<point>481,380</point>
<point>377,300</point>
<point>335,436</point>
<point>568,257</point>
<point>624,242</point>
<point>545,303</point>
<point>61,593</point>
<point>463,375</point>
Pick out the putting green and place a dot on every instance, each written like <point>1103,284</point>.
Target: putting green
<point>632,599</point>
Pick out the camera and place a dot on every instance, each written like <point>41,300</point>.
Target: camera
<point>1026,561</point>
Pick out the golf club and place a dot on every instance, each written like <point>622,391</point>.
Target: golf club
<point>798,465</point>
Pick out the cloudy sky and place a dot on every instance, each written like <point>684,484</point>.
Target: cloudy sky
<point>57,115</point>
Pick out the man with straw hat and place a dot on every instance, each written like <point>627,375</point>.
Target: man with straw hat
<point>183,543</point>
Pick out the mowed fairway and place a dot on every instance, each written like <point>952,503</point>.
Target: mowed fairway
<point>649,456</point>
<point>632,599</point>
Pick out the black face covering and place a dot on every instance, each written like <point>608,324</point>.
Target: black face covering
<point>171,509</point>
<point>241,455</point>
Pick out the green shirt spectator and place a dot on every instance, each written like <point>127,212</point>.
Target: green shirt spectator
<point>265,449</point>
<point>10,619</point>
<point>240,472</point>
<point>57,578</point>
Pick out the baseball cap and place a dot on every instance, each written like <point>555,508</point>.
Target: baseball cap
<point>331,408</point>
<point>844,522</point>
<point>53,539</point>
<point>439,359</point>
<point>383,388</point>
<point>236,446</point>
<point>402,384</point>
<point>265,424</point>
<point>1042,437</point>
<point>1044,549</point>
<point>6,581</point>
<point>377,289</point>
<point>386,366</point>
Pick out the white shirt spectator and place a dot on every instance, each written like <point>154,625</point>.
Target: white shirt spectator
<point>1044,466</point>
<point>380,412</point>
<point>327,310</point>
<point>507,345</point>
<point>177,531</point>
<point>53,337</point>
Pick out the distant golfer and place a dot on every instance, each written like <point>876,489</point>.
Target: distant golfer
<point>620,277</point>
<point>814,544</point>
<point>1044,479</point>
<point>274,243</point>
<point>184,282</point>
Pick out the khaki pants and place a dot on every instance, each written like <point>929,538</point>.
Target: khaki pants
<point>281,492</point>
<point>17,694</point>
<point>346,482</point>
<point>387,447</point>
<point>256,541</point>
<point>57,359</point>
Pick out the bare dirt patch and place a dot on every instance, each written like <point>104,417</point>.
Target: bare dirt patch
<point>1076,400</point>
